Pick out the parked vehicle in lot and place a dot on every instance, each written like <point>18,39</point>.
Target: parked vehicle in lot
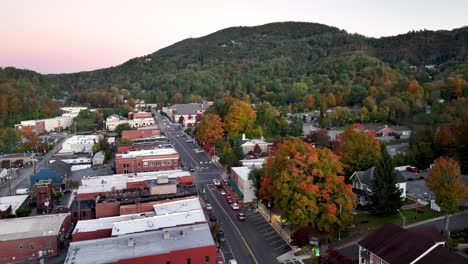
<point>223,192</point>
<point>229,199</point>
<point>189,141</point>
<point>232,261</point>
<point>192,169</point>
<point>208,207</point>
<point>216,182</point>
<point>235,206</point>
<point>241,216</point>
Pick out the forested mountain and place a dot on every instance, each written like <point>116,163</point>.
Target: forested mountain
<point>283,63</point>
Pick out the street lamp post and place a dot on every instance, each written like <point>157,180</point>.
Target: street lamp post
<point>46,203</point>
<point>269,207</point>
<point>403,217</point>
<point>9,185</point>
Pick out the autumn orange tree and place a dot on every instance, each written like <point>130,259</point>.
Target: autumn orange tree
<point>239,118</point>
<point>445,181</point>
<point>358,150</point>
<point>210,129</point>
<point>304,183</point>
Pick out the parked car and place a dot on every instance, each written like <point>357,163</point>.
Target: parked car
<point>22,191</point>
<point>223,192</point>
<point>220,236</point>
<point>241,216</point>
<point>216,182</point>
<point>235,206</point>
<point>208,207</point>
<point>232,261</point>
<point>192,169</point>
<point>213,218</point>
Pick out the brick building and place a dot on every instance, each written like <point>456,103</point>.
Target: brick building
<point>42,192</point>
<point>21,239</point>
<point>173,232</point>
<point>106,186</point>
<point>147,160</point>
<point>140,133</point>
<point>134,115</point>
<point>82,210</point>
<point>181,244</point>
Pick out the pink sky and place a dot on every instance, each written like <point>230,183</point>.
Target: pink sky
<point>56,36</point>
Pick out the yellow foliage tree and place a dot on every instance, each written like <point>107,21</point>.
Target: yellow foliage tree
<point>210,129</point>
<point>239,118</point>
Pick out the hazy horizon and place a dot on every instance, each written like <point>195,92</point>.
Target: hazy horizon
<point>52,36</point>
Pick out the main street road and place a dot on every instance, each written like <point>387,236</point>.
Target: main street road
<point>23,179</point>
<point>250,241</point>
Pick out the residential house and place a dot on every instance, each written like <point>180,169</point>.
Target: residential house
<point>362,180</point>
<point>393,244</point>
<point>249,145</point>
<point>385,130</point>
<point>187,113</point>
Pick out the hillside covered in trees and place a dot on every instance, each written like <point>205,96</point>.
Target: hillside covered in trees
<point>294,66</point>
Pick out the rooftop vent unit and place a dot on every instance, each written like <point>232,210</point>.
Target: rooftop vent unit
<point>166,235</point>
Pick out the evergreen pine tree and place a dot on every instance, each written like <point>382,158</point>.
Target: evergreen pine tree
<point>384,194</point>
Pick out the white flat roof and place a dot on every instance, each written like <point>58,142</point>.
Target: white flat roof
<point>158,222</point>
<point>185,205</point>
<point>148,152</point>
<point>15,201</point>
<point>106,222</point>
<point>242,172</point>
<point>253,162</point>
<point>94,184</point>
<point>29,227</point>
<point>145,244</point>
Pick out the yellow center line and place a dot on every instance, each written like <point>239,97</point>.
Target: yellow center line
<point>235,226</point>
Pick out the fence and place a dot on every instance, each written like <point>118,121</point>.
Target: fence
<point>276,223</point>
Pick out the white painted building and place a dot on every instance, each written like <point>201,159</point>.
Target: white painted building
<point>80,143</point>
<point>114,120</point>
<point>240,175</point>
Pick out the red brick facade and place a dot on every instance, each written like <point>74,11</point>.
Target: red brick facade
<point>133,115</point>
<point>136,134</point>
<point>200,255</point>
<point>146,163</point>
<point>27,249</point>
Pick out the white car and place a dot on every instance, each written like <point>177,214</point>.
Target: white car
<point>216,182</point>
<point>232,261</point>
<point>235,206</point>
<point>208,207</point>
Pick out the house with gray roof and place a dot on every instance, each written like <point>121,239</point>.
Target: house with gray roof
<point>362,180</point>
<point>186,114</point>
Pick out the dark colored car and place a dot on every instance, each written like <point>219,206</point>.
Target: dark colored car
<point>220,236</point>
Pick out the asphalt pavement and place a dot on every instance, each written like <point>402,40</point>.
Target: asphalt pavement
<point>23,178</point>
<point>249,241</point>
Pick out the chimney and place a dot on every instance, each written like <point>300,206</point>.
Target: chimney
<point>166,235</point>
<point>131,243</point>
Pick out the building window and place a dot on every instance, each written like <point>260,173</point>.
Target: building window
<point>207,259</point>
<point>145,164</point>
<point>168,262</point>
<point>31,246</point>
<point>48,244</point>
<point>84,213</point>
<point>75,214</point>
<point>20,245</point>
<point>139,164</point>
<point>189,261</point>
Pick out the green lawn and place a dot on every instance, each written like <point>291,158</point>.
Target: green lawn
<point>366,222</point>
